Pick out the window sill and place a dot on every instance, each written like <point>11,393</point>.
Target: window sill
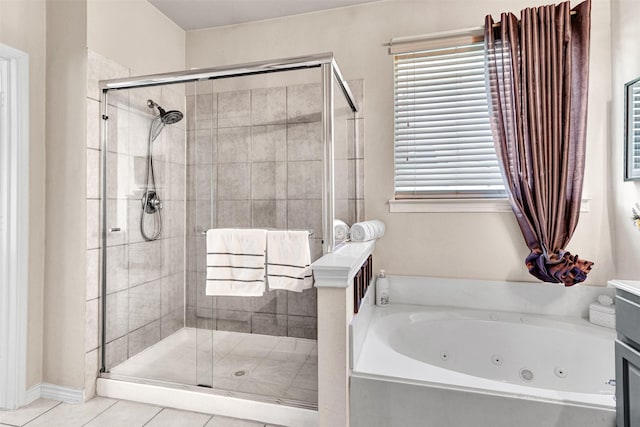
<point>458,205</point>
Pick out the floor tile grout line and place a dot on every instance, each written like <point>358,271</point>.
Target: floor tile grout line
<point>36,417</point>
<point>179,410</point>
<point>274,350</point>
<point>307,356</point>
<point>102,412</point>
<point>293,379</point>
<point>154,416</point>
<point>296,376</point>
<point>286,387</point>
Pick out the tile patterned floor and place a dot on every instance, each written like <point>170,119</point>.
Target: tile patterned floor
<point>100,411</point>
<point>280,367</point>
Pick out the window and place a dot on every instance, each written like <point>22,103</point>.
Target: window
<point>443,142</point>
<point>632,137</point>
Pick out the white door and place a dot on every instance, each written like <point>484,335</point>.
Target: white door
<point>14,194</point>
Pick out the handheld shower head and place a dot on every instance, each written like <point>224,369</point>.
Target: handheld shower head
<point>166,117</point>
<point>170,117</point>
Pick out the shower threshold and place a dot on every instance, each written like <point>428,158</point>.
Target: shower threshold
<point>204,400</point>
<point>212,391</point>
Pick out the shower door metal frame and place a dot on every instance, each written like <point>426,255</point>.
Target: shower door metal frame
<point>328,208</point>
<point>329,70</point>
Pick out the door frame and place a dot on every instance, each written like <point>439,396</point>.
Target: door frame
<point>14,224</point>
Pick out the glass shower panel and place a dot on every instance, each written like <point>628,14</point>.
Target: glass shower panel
<point>145,226</point>
<point>255,160</point>
<point>344,158</point>
<point>117,188</point>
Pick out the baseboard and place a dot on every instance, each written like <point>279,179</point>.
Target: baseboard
<point>54,392</point>
<point>32,394</point>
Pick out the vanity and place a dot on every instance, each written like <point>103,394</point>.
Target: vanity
<point>627,352</point>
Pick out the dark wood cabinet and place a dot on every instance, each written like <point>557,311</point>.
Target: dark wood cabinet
<point>627,359</point>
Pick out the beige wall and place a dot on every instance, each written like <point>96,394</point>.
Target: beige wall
<point>66,214</point>
<point>123,38</point>
<point>60,32</point>
<point>625,33</point>
<point>136,35</point>
<point>22,26</point>
<point>480,245</point>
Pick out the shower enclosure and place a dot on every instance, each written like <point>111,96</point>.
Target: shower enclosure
<point>260,145</point>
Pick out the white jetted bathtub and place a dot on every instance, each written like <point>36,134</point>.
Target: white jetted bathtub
<point>437,366</point>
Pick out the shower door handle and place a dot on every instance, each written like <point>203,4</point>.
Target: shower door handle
<point>114,229</point>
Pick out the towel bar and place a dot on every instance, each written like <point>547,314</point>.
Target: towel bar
<point>309,231</point>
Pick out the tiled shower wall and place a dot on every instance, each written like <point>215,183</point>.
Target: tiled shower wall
<point>255,160</point>
<point>145,287</point>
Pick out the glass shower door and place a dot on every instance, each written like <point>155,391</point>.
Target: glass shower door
<point>255,161</point>
<point>144,222</point>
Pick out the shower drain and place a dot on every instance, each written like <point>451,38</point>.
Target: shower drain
<point>560,372</point>
<point>239,373</point>
<point>526,374</point>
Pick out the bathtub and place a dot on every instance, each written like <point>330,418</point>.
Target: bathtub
<point>437,366</point>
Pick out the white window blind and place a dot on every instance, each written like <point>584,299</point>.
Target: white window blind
<point>633,132</point>
<point>443,142</point>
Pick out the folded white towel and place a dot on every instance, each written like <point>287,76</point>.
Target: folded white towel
<point>289,260</point>
<point>340,230</point>
<point>367,230</point>
<point>236,262</point>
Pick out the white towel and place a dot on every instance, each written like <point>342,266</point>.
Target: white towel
<point>367,230</point>
<point>289,260</point>
<point>340,230</point>
<point>236,262</point>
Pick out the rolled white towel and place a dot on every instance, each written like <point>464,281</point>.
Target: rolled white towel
<point>367,230</point>
<point>340,230</point>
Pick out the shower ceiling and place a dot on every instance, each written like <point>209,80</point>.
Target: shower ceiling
<point>197,14</point>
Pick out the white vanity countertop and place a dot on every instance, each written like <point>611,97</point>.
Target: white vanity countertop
<point>631,286</point>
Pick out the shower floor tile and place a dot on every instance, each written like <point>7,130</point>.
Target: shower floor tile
<point>278,367</point>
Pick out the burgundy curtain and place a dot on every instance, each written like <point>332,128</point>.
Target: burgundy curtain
<point>537,81</point>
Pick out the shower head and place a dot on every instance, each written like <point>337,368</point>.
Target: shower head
<point>170,117</point>
<point>166,117</point>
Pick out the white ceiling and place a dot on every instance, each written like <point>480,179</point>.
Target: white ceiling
<point>197,14</point>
